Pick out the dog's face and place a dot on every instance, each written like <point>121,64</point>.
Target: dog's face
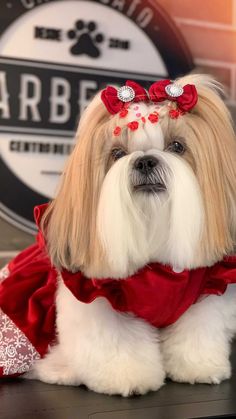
<point>164,192</point>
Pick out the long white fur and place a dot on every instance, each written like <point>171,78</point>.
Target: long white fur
<point>186,216</point>
<point>98,347</point>
<point>120,223</point>
<point>196,348</point>
<point>127,223</point>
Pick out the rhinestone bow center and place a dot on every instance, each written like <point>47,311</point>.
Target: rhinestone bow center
<point>174,90</point>
<point>126,93</point>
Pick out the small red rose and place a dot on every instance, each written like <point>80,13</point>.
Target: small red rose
<point>153,117</point>
<point>143,119</point>
<point>174,113</point>
<point>117,131</point>
<point>133,125</point>
<point>123,113</point>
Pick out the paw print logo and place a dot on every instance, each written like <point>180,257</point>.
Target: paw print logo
<point>86,39</point>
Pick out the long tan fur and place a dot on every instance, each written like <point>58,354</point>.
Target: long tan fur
<point>212,143</point>
<point>69,222</point>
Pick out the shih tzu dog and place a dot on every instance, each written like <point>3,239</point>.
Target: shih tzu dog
<point>140,239</point>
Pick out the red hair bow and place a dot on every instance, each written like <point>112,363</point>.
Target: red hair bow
<point>186,97</point>
<point>115,100</point>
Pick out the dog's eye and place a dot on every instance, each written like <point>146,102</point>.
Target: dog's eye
<point>117,153</point>
<point>176,147</point>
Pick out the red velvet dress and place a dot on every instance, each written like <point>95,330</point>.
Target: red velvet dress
<point>28,285</point>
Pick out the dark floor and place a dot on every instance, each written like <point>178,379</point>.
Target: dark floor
<point>21,399</point>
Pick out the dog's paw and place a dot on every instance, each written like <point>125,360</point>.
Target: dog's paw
<point>52,370</point>
<point>208,374</point>
<point>127,377</point>
<point>188,370</point>
<point>121,377</point>
<point>53,375</point>
<point>192,351</point>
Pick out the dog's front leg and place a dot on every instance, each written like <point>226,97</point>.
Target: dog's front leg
<point>107,351</point>
<point>196,348</point>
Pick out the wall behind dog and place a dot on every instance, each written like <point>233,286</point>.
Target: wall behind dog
<point>48,48</point>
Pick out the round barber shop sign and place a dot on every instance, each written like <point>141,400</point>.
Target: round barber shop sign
<point>54,56</point>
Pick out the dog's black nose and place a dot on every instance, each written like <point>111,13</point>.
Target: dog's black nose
<point>146,164</point>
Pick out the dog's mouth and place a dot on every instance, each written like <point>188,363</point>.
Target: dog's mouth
<point>150,187</point>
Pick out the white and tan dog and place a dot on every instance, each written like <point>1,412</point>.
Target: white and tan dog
<point>163,192</point>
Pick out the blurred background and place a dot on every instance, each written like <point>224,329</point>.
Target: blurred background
<point>55,55</point>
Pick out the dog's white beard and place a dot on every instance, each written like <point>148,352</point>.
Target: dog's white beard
<point>137,228</point>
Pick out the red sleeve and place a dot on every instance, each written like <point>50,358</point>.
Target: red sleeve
<point>27,296</point>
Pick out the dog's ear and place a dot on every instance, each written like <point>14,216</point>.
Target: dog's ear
<point>69,223</point>
<point>215,156</point>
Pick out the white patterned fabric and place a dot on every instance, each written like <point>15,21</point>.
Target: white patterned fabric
<point>17,354</point>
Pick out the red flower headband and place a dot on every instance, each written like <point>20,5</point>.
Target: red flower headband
<point>115,100</point>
